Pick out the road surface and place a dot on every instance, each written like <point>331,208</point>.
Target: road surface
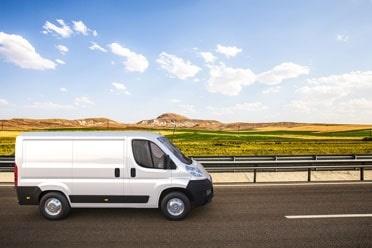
<point>237,217</point>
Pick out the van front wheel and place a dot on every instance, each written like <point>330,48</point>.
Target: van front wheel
<point>175,206</point>
<point>54,206</point>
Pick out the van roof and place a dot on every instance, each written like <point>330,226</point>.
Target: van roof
<point>90,134</point>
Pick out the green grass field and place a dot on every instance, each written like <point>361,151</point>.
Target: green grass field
<point>202,142</point>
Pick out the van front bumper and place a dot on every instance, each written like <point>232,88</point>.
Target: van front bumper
<point>201,191</point>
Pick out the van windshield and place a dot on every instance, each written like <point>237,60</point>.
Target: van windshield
<point>174,149</point>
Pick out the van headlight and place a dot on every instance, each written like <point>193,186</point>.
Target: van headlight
<point>194,171</point>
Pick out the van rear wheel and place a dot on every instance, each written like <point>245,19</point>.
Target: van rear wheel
<point>54,206</point>
<point>175,206</point>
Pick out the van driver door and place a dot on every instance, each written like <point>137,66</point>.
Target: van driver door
<point>146,164</point>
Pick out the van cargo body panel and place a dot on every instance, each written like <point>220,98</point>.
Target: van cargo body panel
<point>94,165</point>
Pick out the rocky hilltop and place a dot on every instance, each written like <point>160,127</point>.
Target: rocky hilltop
<point>169,120</point>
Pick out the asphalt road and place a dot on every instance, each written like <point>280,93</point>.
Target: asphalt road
<point>237,217</point>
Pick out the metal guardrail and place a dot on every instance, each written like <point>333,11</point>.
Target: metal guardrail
<point>256,164</point>
<point>307,163</point>
<point>6,163</point>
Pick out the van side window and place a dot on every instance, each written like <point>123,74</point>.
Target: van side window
<point>148,154</point>
<point>157,156</point>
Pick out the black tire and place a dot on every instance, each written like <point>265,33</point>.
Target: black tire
<point>65,206</point>
<point>175,195</point>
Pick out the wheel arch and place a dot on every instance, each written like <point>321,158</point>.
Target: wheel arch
<point>55,187</point>
<point>53,191</point>
<point>175,189</point>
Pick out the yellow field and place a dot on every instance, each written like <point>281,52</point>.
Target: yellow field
<point>7,141</point>
<point>317,128</point>
<point>198,142</point>
<point>9,134</point>
<point>253,134</point>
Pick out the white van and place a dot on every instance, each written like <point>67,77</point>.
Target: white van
<point>63,170</point>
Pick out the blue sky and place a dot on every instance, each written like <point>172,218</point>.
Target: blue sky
<point>253,61</point>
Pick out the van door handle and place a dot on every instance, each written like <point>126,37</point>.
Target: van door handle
<point>132,172</point>
<point>117,172</point>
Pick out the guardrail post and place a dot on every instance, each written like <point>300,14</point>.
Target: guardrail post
<point>254,175</point>
<point>361,173</point>
<point>309,174</point>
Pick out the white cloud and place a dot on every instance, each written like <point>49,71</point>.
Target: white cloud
<point>17,50</point>
<point>335,97</point>
<point>336,86</point>
<point>80,27</point>
<point>177,67</point>
<point>49,106</point>
<point>271,90</point>
<point>3,102</point>
<point>62,49</point>
<point>238,108</point>
<point>60,61</point>
<point>281,72</point>
<point>83,101</point>
<point>79,102</point>
<point>134,61</point>
<point>119,88</point>
<point>62,89</point>
<point>175,100</point>
<point>187,109</point>
<point>208,57</point>
<point>326,91</point>
<point>228,51</point>
<point>342,37</point>
<point>229,81</point>
<point>95,46</point>
<point>344,110</point>
<point>356,106</point>
<point>61,29</point>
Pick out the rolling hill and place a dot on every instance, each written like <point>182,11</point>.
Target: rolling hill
<point>170,121</point>
<point>31,124</point>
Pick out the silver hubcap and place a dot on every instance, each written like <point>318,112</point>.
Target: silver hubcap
<point>53,206</point>
<point>175,206</point>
